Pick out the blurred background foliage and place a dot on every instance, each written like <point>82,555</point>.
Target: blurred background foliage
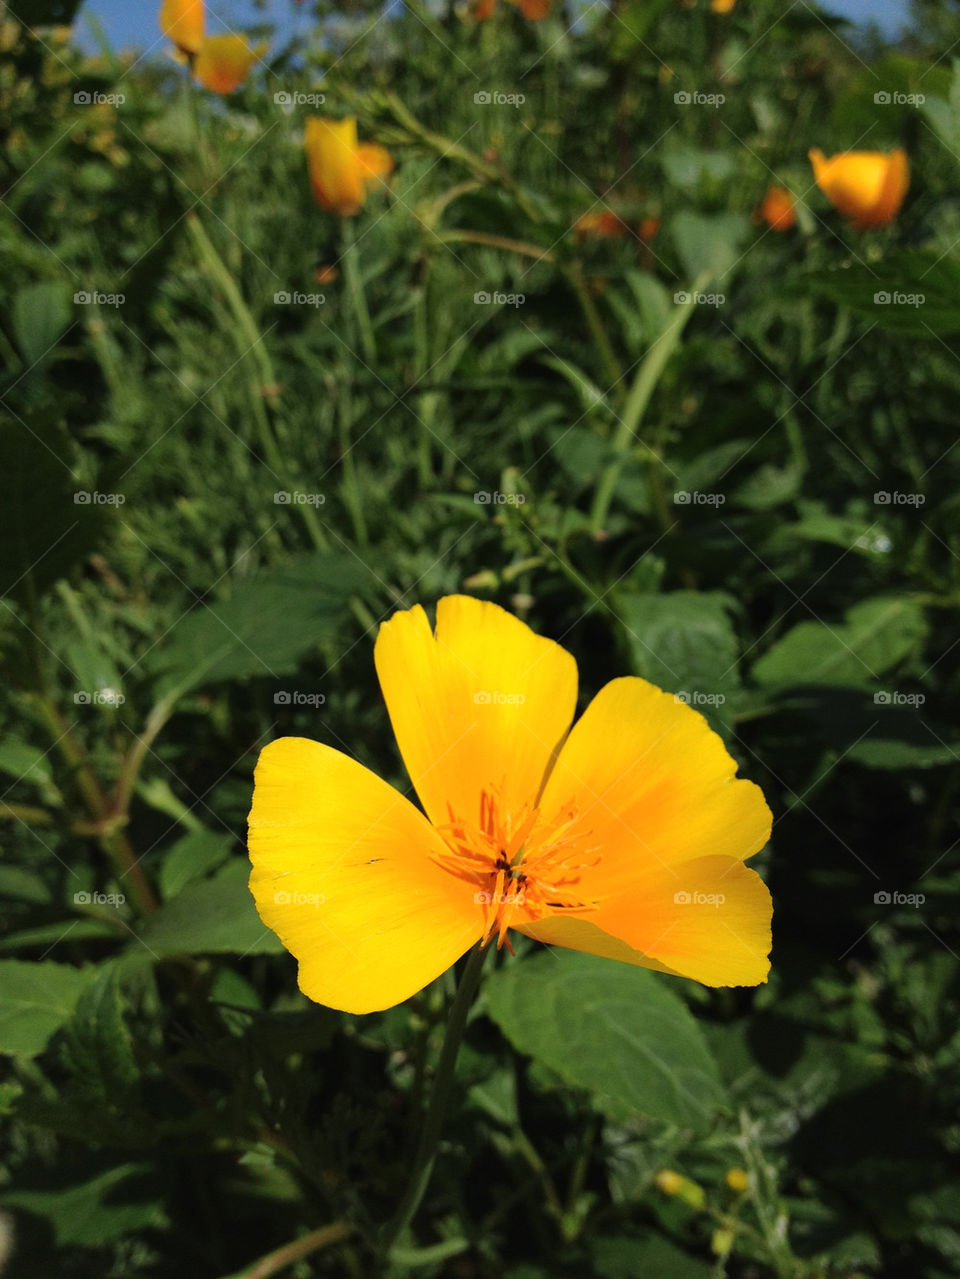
<point>754,503</point>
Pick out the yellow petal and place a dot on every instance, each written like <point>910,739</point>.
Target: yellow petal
<point>182,21</point>
<point>709,919</point>
<point>223,62</point>
<point>653,786</point>
<point>342,874</point>
<point>482,705</point>
<point>722,6</point>
<point>866,186</point>
<point>335,171</point>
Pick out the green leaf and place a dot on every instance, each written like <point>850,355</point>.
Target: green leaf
<point>265,626</point>
<point>36,999</point>
<point>97,1046</point>
<point>615,1030</point>
<point>711,244</point>
<point>912,293</point>
<point>192,858</point>
<point>24,762</point>
<point>213,916</point>
<point>40,315</point>
<point>876,634</point>
<point>120,1201</point>
<point>684,641</point>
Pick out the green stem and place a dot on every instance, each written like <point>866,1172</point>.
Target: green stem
<point>252,346</point>
<point>574,274</point>
<point>433,1122</point>
<point>354,280</point>
<point>644,384</point>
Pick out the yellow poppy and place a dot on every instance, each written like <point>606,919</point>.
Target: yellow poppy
<point>722,6</point>
<point>223,63</point>
<point>183,21</point>
<point>865,186</point>
<point>623,836</point>
<point>778,209</point>
<point>341,168</point>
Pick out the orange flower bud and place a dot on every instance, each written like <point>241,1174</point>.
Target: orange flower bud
<point>604,225</point>
<point>648,228</point>
<point>778,209</point>
<point>183,21</point>
<point>737,1179</point>
<point>341,169</point>
<point>222,63</point>
<point>722,6</point>
<point>865,186</point>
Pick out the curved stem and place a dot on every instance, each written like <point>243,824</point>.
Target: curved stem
<point>433,1122</point>
<point>291,1252</point>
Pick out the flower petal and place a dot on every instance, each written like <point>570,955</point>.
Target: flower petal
<point>223,62</point>
<point>484,704</point>
<point>710,922</point>
<point>183,21</point>
<point>342,874</point>
<point>336,174</point>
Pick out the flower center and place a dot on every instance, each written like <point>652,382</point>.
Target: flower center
<point>521,866</point>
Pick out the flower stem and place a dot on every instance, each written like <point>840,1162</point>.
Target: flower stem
<point>433,1122</point>
<point>648,375</point>
<point>351,270</point>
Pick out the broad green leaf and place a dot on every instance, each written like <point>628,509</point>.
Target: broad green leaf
<point>36,999</point>
<point>41,312</point>
<point>265,626</point>
<point>709,244</point>
<point>627,1258</point>
<point>192,858</point>
<point>120,1201</point>
<point>893,754</point>
<point>213,916</point>
<point>615,1030</point>
<point>684,642</point>
<point>24,762</point>
<point>97,1046</point>
<point>19,884</point>
<point>876,635</point>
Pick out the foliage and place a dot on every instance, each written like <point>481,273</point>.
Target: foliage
<point>708,456</point>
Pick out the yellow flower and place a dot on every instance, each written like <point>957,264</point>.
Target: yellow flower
<point>183,21</point>
<point>223,63</point>
<point>865,186</point>
<point>737,1179</point>
<point>722,6</point>
<point>341,169</point>
<point>623,836</point>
